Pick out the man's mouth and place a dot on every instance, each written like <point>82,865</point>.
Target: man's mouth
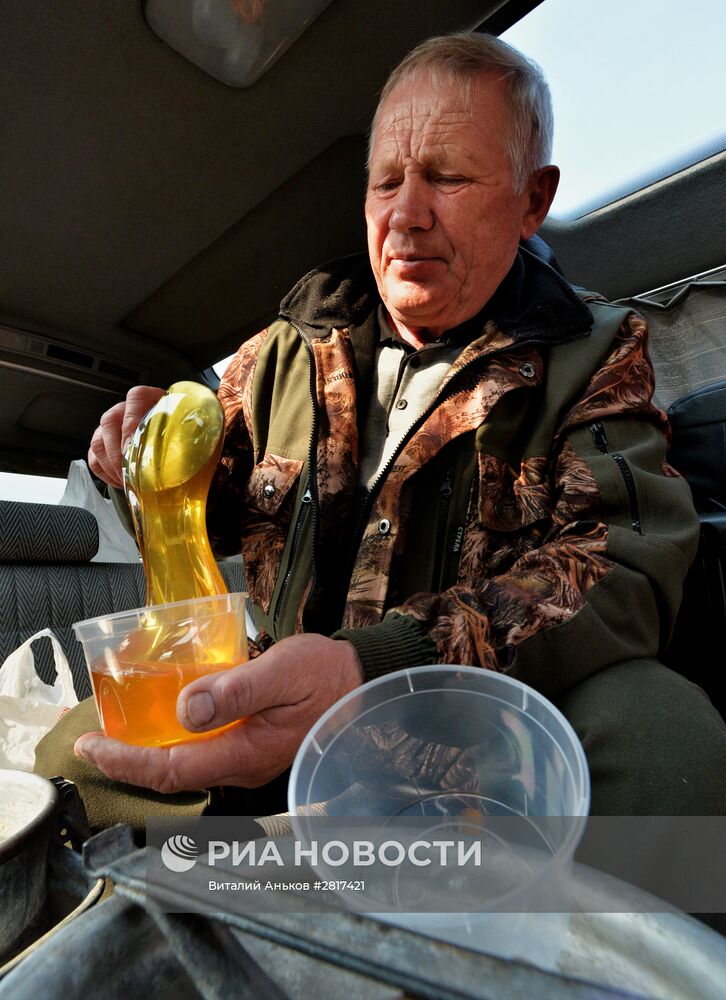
<point>413,258</point>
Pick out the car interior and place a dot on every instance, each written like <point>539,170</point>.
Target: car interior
<point>153,215</point>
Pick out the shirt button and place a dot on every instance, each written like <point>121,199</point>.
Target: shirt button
<point>527,370</point>
<point>269,491</point>
<point>415,361</point>
<point>401,404</point>
<point>384,526</point>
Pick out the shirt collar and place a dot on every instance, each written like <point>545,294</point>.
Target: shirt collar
<point>458,336</point>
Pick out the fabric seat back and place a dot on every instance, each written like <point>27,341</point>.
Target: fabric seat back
<point>47,581</point>
<point>698,452</point>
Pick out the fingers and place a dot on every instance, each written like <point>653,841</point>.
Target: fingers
<point>104,453</point>
<point>228,759</point>
<point>233,694</point>
<point>117,425</point>
<point>147,766</point>
<point>294,672</point>
<point>139,401</point>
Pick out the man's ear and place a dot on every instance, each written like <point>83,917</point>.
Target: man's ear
<point>539,195</point>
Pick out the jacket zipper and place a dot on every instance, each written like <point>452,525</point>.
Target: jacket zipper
<point>367,503</point>
<point>599,437</point>
<point>302,517</point>
<point>310,498</point>
<point>601,443</point>
<point>445,492</point>
<point>312,470</point>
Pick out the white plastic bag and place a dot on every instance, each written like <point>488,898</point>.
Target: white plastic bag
<point>115,544</point>
<point>29,707</point>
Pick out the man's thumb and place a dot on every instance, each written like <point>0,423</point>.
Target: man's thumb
<point>218,699</point>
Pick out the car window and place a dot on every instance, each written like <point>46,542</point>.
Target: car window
<point>221,366</point>
<point>31,489</point>
<point>637,90</point>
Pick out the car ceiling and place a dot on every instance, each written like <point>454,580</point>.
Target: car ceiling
<point>151,217</point>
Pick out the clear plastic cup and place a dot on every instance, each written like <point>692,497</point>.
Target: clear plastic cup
<point>465,749</point>
<point>140,660</point>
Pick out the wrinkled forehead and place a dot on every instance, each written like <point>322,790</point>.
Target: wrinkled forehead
<point>421,95</point>
<point>456,86</point>
<point>429,108</point>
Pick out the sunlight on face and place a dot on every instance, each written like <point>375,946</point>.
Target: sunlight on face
<point>443,220</point>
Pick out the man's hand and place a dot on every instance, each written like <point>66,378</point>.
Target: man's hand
<point>115,430</point>
<point>284,691</point>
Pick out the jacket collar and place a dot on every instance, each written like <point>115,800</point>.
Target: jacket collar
<point>533,302</point>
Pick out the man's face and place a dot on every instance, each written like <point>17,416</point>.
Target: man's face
<point>443,220</point>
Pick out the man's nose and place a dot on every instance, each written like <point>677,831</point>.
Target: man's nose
<point>412,207</point>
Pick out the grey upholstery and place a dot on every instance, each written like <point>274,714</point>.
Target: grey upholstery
<point>698,447</point>
<point>698,451</point>
<point>34,597</point>
<point>42,533</point>
<point>37,593</point>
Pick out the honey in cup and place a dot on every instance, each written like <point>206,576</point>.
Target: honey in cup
<point>138,673</point>
<point>139,669</point>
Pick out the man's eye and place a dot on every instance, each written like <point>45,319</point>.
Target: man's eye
<point>450,180</point>
<point>384,186</point>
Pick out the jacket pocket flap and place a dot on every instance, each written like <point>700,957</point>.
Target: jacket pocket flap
<point>511,498</point>
<point>271,480</point>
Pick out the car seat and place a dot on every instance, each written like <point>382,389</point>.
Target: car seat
<point>698,452</point>
<point>48,581</point>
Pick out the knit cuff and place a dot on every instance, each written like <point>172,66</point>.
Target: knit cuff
<point>399,641</point>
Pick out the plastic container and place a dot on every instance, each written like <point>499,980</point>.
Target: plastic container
<point>140,660</point>
<point>27,809</point>
<point>467,749</point>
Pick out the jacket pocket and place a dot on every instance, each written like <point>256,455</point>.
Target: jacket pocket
<point>513,497</point>
<point>270,482</point>
<point>601,443</point>
<point>269,499</point>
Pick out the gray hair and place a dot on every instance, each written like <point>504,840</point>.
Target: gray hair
<point>460,58</point>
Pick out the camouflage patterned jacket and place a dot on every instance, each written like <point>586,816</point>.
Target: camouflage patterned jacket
<point>529,523</point>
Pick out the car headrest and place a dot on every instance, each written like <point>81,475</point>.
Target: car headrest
<point>698,446</point>
<point>44,533</point>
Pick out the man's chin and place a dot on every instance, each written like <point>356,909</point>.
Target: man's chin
<point>415,302</point>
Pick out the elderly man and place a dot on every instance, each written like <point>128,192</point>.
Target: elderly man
<point>442,453</point>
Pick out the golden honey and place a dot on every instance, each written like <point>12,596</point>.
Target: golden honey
<point>168,467</point>
<point>167,470</point>
<point>137,703</point>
